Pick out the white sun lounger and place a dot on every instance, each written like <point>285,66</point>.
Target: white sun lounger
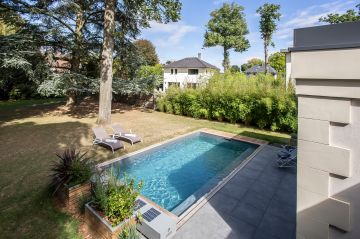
<point>104,139</point>
<point>121,133</point>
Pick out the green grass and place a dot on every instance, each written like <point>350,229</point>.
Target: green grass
<point>31,132</point>
<point>17,104</point>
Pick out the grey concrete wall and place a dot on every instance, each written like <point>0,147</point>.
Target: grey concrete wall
<point>328,180</point>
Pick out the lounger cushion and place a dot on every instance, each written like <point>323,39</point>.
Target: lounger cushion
<point>133,139</point>
<point>116,145</point>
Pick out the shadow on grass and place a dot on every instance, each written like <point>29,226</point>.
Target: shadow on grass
<point>267,137</point>
<point>89,108</point>
<point>27,152</point>
<point>27,108</point>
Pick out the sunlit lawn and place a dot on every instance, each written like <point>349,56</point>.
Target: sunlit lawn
<point>31,132</point>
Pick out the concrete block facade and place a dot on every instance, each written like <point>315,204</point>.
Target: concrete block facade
<point>328,173</point>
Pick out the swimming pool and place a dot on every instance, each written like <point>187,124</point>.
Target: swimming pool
<point>176,174</point>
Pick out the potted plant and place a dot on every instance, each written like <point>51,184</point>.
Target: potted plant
<point>70,178</point>
<point>112,209</point>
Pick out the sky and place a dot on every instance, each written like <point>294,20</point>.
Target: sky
<point>174,41</point>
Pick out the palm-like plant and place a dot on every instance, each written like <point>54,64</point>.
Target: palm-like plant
<point>73,168</point>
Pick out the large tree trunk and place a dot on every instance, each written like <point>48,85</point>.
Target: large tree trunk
<point>266,57</point>
<point>76,51</point>
<point>106,64</point>
<point>226,62</point>
<point>71,98</point>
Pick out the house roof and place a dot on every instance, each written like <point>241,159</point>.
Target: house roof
<point>190,62</point>
<point>260,69</point>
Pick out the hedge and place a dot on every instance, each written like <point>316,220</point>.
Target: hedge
<point>260,101</point>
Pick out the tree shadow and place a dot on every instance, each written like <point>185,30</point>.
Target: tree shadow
<point>27,152</point>
<point>17,111</point>
<point>89,108</point>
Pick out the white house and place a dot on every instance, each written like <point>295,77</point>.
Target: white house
<point>187,72</point>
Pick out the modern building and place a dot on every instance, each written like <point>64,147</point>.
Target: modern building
<point>187,72</point>
<point>260,69</point>
<point>326,69</point>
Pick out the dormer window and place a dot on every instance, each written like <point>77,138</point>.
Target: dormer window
<point>172,71</point>
<point>175,71</point>
<point>193,71</point>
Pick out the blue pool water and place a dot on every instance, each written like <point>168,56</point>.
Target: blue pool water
<point>178,173</point>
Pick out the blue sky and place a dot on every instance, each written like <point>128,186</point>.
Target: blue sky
<point>175,41</point>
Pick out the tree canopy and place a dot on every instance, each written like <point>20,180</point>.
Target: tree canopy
<point>269,14</point>
<point>235,68</point>
<point>349,16</point>
<point>68,28</point>
<point>277,61</point>
<point>130,17</point>
<point>72,32</point>
<point>147,52</point>
<point>227,28</point>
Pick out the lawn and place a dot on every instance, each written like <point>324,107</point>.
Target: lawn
<point>31,132</point>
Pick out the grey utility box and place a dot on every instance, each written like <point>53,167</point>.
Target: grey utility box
<point>155,224</point>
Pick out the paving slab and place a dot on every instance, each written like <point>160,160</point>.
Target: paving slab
<point>258,202</point>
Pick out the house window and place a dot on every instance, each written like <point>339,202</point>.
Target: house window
<point>192,85</point>
<point>175,71</point>
<point>193,71</point>
<point>172,71</point>
<point>175,84</point>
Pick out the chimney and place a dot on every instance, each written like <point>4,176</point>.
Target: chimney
<point>199,55</point>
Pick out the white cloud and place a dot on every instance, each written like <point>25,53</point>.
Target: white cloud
<point>172,33</point>
<point>310,17</point>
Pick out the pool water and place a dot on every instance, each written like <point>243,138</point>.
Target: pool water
<point>178,173</point>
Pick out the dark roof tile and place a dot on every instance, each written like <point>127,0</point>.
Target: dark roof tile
<point>190,62</point>
<point>260,69</point>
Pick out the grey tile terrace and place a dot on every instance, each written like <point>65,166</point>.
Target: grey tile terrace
<point>258,202</point>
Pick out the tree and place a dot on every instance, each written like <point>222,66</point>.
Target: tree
<point>127,61</point>
<point>277,61</point>
<point>105,96</point>
<point>22,66</point>
<point>146,80</point>
<point>250,63</point>
<point>350,16</point>
<point>227,28</point>
<point>235,68</point>
<point>6,29</point>
<point>146,50</point>
<point>70,27</point>
<point>269,13</point>
<point>130,17</point>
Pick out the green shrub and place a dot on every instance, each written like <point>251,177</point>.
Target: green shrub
<point>15,94</point>
<point>116,199</point>
<point>129,232</point>
<point>258,100</point>
<point>73,168</point>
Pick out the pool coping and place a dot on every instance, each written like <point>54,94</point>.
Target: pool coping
<point>188,213</point>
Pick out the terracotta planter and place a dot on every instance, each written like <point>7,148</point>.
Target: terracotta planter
<point>72,196</point>
<point>101,228</point>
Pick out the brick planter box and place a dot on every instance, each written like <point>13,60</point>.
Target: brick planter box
<point>72,196</point>
<point>101,228</point>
